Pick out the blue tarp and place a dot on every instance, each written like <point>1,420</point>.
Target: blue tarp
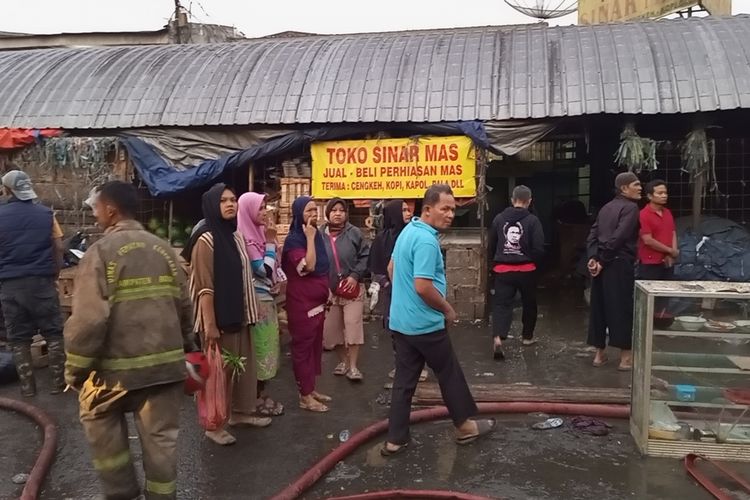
<point>165,179</point>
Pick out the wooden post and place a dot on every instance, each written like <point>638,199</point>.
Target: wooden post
<point>483,206</point>
<point>121,169</point>
<point>698,186</point>
<point>171,219</point>
<point>250,177</point>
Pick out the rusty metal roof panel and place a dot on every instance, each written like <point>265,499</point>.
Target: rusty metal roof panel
<point>485,73</point>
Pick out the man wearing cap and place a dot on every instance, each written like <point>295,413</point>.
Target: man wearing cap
<point>612,246</point>
<point>30,259</point>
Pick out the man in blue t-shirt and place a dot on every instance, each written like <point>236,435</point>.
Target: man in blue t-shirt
<point>419,313</point>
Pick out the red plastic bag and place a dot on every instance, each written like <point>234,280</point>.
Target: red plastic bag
<point>212,400</point>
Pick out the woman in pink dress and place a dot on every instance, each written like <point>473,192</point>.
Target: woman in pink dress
<point>305,262</point>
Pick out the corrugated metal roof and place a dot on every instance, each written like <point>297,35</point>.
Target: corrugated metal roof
<point>487,73</point>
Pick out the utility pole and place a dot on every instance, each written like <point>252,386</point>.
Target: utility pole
<point>177,28</point>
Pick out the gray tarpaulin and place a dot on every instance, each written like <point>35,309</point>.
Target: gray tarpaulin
<point>188,147</point>
<point>512,136</point>
<point>171,160</point>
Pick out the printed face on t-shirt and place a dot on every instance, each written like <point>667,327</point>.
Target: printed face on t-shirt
<point>513,233</point>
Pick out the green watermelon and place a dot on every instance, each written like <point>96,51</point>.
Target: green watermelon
<point>153,224</point>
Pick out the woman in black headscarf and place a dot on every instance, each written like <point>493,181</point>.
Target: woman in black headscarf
<point>396,215</point>
<point>222,291</point>
<point>305,263</point>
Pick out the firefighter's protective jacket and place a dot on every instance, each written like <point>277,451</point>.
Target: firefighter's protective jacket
<point>132,315</point>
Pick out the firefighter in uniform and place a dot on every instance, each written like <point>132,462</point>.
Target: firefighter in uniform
<point>125,344</point>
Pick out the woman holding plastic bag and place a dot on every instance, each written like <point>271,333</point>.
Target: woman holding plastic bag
<point>221,287</point>
<point>260,242</point>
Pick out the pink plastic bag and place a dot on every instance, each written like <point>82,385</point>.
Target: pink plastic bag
<point>212,400</point>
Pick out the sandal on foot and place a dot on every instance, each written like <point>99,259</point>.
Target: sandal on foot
<point>263,410</point>
<point>221,437</point>
<point>321,397</point>
<point>528,342</point>
<point>340,369</point>
<point>271,408</point>
<point>484,427</point>
<point>601,362</point>
<point>316,407</point>
<point>354,375</point>
<point>624,368</point>
<point>388,452</point>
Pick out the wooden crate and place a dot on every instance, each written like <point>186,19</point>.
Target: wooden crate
<point>292,188</point>
<point>66,283</point>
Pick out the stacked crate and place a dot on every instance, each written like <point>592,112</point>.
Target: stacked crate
<point>291,189</point>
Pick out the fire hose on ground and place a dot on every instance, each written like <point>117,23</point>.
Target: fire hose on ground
<point>303,483</point>
<point>46,453</point>
<point>328,462</point>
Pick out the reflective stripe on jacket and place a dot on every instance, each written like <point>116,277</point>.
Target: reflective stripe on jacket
<point>132,316</point>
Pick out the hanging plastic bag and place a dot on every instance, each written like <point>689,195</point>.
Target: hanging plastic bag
<point>212,400</point>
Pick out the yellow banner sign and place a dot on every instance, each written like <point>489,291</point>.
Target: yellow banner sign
<point>393,168</point>
<point>608,11</point>
<point>718,7</point>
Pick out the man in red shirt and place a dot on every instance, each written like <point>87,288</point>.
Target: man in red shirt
<point>657,245</point>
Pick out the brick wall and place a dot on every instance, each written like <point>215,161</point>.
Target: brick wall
<point>465,272</point>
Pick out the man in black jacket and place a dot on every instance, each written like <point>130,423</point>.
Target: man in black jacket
<point>517,244</point>
<point>612,246</point>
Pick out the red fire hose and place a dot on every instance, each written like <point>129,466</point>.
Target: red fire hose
<point>445,495</point>
<point>328,462</point>
<point>49,445</point>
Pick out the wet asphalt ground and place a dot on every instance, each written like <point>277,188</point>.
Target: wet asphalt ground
<point>515,462</point>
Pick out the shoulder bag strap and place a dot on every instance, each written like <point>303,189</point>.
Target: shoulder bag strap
<point>335,254</point>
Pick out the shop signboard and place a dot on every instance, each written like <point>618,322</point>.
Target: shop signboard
<point>393,168</point>
<point>609,11</point>
<point>718,7</point>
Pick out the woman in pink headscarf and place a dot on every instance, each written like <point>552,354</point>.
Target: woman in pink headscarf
<point>261,248</point>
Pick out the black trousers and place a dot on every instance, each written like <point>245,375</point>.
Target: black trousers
<point>612,306</point>
<point>31,305</point>
<point>655,272</point>
<point>412,351</point>
<point>506,286</point>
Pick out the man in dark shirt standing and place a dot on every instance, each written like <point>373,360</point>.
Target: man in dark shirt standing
<point>657,247</point>
<point>612,246</point>
<point>30,259</point>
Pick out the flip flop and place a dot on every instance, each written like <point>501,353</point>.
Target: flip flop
<point>221,437</point>
<point>321,397</point>
<point>315,408</point>
<point>598,364</point>
<point>484,427</point>
<point>385,452</point>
